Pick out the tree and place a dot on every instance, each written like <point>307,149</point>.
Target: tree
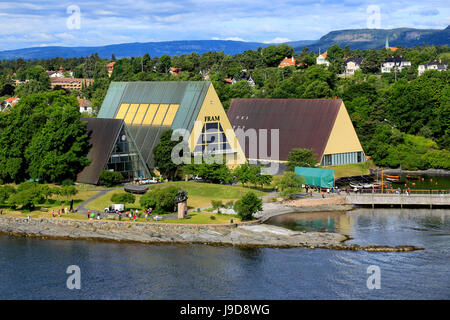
<point>272,55</point>
<point>123,198</point>
<point>301,158</point>
<point>164,64</point>
<point>110,178</point>
<point>5,192</point>
<point>161,200</point>
<point>68,192</point>
<point>162,155</point>
<point>28,195</point>
<point>335,55</point>
<point>290,184</point>
<point>242,173</point>
<point>247,206</point>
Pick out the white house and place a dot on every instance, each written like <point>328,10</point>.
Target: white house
<point>433,65</point>
<point>394,63</point>
<point>351,65</point>
<point>85,106</point>
<point>322,59</point>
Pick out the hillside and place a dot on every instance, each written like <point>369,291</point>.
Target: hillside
<point>155,49</point>
<point>356,39</point>
<point>376,38</point>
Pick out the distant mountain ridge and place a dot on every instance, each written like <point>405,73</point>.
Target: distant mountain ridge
<point>356,39</point>
<point>376,38</point>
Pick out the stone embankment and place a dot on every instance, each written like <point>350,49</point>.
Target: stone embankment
<point>245,234</point>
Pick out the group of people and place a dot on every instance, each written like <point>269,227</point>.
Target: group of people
<point>60,212</point>
<point>134,215</point>
<point>309,191</point>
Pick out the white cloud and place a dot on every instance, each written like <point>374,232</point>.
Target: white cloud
<point>229,38</point>
<point>278,40</point>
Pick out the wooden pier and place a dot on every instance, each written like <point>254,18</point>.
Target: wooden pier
<point>374,199</point>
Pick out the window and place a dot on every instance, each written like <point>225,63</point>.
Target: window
<point>212,139</point>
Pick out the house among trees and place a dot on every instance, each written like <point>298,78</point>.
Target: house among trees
<point>249,80</point>
<point>8,103</point>
<point>70,83</point>
<point>322,125</point>
<point>175,71</point>
<point>322,59</point>
<point>394,64</point>
<point>60,73</point>
<point>85,105</point>
<point>433,65</point>
<point>351,65</point>
<point>110,68</point>
<point>287,62</point>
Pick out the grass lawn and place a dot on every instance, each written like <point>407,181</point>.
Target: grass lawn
<point>81,196</point>
<point>199,194</point>
<point>194,218</point>
<point>354,169</point>
<point>205,218</point>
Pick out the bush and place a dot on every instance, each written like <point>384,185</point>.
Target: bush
<point>67,182</point>
<point>5,193</point>
<point>123,198</point>
<point>162,200</point>
<point>290,184</point>
<point>212,217</point>
<point>28,195</point>
<point>217,204</point>
<point>110,178</point>
<point>247,206</point>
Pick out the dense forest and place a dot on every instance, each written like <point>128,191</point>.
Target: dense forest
<point>402,120</point>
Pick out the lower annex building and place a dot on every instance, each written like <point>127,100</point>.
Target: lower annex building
<point>322,125</point>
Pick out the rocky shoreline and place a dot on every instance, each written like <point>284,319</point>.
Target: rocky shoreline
<point>251,234</point>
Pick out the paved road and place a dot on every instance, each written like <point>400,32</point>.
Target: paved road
<point>82,207</point>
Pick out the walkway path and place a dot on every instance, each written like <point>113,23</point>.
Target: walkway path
<point>82,207</point>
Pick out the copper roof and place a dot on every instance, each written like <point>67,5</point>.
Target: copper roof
<point>302,123</point>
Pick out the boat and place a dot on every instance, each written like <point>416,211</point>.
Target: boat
<point>393,177</point>
<point>357,186</point>
<point>393,180</point>
<point>366,185</point>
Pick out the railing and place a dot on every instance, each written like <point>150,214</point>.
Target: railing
<point>394,191</point>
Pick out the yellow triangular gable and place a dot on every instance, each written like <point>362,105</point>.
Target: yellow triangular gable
<point>212,109</point>
<point>343,137</point>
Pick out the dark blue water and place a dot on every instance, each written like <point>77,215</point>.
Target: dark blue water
<point>36,269</point>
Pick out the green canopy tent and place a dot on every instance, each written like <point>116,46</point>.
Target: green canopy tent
<point>316,177</point>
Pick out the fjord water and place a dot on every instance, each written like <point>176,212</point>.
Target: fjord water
<point>36,269</point>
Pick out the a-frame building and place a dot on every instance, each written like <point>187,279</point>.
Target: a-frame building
<point>150,108</point>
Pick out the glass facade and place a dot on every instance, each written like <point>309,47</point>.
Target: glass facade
<point>342,158</point>
<point>212,140</point>
<point>125,159</point>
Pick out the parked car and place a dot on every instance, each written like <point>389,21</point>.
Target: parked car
<point>114,208</point>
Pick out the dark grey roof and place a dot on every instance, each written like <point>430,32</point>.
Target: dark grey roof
<point>396,59</point>
<point>439,64</point>
<point>356,60</point>
<point>102,137</point>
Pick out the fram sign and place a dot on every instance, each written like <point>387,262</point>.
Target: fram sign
<point>212,118</point>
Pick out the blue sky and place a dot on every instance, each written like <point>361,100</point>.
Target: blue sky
<point>44,23</point>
